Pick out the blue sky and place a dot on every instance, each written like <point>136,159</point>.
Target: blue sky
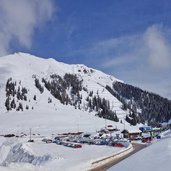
<point>130,39</point>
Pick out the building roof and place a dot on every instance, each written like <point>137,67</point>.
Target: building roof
<point>145,128</point>
<point>131,131</point>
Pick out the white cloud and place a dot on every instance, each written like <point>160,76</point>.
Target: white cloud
<point>158,47</point>
<point>116,62</point>
<point>150,48</point>
<point>19,18</point>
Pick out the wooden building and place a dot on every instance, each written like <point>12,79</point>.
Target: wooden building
<point>131,134</point>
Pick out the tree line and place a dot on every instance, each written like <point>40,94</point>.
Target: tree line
<point>143,105</point>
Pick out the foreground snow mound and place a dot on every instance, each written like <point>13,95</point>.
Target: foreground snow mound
<point>20,153</point>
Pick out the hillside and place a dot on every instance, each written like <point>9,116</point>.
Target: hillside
<point>29,83</point>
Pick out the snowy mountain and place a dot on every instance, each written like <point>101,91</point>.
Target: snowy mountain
<point>44,98</point>
<point>29,83</point>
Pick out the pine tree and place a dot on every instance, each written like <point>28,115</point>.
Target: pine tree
<point>7,104</point>
<point>34,97</point>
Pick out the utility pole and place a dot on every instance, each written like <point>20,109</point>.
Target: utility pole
<point>30,134</point>
<point>124,124</point>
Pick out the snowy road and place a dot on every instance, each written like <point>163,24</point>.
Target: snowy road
<point>136,148</point>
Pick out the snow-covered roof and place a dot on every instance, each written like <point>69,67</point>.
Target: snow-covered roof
<point>134,130</point>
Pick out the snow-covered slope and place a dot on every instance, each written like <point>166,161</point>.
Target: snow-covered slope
<point>22,65</point>
<point>21,69</point>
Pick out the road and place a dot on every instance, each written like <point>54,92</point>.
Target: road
<point>136,148</point>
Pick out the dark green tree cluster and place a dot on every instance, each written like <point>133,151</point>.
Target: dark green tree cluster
<point>59,88</point>
<point>49,100</point>
<point>7,103</point>
<point>67,90</point>
<point>10,88</point>
<point>102,107</point>
<point>20,107</point>
<point>38,85</point>
<point>11,92</point>
<point>154,108</point>
<point>134,118</point>
<point>22,93</point>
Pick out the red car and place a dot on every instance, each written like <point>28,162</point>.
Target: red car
<point>118,145</point>
<point>77,146</point>
<point>146,140</point>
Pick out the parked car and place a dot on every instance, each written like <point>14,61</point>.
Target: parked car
<point>146,140</point>
<point>9,135</point>
<point>77,146</point>
<point>57,138</point>
<point>101,142</point>
<point>138,138</point>
<point>47,140</point>
<point>118,145</point>
<point>57,142</point>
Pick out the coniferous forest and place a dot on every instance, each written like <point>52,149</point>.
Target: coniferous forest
<point>143,105</point>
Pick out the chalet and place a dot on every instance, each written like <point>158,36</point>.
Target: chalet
<point>152,131</point>
<point>131,134</point>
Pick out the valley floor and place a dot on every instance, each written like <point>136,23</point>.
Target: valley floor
<point>16,154</point>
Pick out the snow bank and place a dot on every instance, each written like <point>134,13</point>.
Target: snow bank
<point>166,134</point>
<point>20,152</point>
<point>108,159</point>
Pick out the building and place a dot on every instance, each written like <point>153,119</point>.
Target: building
<point>145,128</point>
<point>151,131</point>
<point>131,134</point>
